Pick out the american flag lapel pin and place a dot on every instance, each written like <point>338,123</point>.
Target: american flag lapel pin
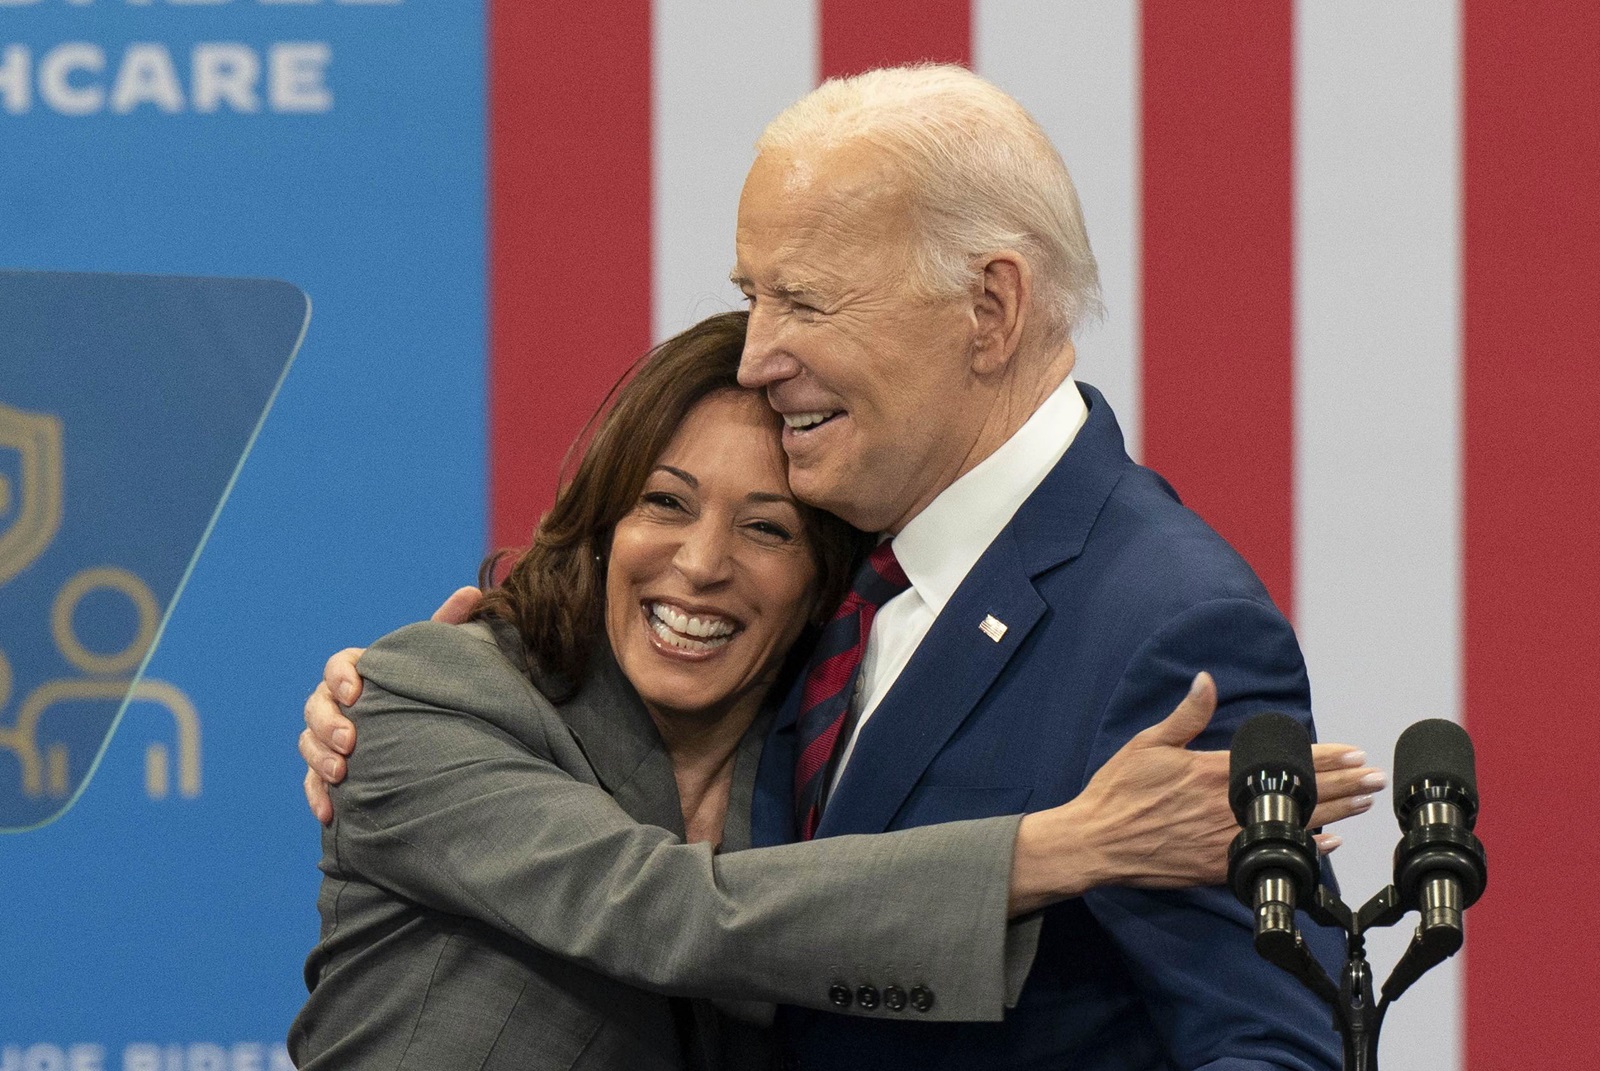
<point>993,627</point>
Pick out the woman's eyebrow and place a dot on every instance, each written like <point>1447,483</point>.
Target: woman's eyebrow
<point>753,496</point>
<point>680,474</point>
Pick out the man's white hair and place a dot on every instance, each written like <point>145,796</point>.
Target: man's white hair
<point>981,174</point>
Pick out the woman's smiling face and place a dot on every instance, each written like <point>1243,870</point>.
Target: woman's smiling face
<point>711,576</point>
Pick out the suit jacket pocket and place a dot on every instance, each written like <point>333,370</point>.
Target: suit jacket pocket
<point>929,804</point>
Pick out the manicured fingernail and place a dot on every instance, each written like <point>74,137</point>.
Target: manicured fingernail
<point>341,740</point>
<point>1354,758</point>
<point>347,692</point>
<point>1374,780</point>
<point>330,768</point>
<point>1196,685</point>
<point>1329,843</point>
<point>1360,803</point>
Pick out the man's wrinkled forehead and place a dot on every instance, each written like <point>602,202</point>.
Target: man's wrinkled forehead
<point>797,173</point>
<point>850,175</point>
<point>849,203</point>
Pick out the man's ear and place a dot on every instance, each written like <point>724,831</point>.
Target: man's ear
<point>1000,304</point>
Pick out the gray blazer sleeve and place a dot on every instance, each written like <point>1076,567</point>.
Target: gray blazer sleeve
<point>467,794</point>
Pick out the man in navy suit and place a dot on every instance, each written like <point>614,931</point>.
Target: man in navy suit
<point>916,263</point>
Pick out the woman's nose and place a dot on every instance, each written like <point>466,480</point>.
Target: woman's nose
<point>705,556</point>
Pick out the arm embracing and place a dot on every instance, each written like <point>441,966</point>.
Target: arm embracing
<point>449,811</point>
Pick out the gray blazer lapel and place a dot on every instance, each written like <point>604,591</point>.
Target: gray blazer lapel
<point>611,725</point>
<point>746,761</point>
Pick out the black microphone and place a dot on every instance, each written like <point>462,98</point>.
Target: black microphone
<point>1272,863</point>
<point>1439,865</point>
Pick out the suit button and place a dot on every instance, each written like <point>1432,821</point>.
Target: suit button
<point>894,998</point>
<point>866,996</point>
<point>921,998</point>
<point>839,996</point>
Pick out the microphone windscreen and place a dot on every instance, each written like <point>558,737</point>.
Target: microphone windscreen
<point>1279,746</point>
<point>1433,751</point>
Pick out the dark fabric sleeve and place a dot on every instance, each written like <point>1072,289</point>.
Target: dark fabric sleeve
<point>1220,1006</point>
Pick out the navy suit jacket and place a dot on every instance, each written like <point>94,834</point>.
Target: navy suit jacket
<point>1113,595</point>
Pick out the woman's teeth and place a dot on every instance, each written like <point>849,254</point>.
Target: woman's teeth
<point>688,632</point>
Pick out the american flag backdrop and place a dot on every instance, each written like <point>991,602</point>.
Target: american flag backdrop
<point>1351,258</point>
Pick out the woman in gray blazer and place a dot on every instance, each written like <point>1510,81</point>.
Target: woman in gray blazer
<point>524,861</point>
<point>534,853</point>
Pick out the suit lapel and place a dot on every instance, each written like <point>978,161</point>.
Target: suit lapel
<point>957,662</point>
<point>623,746</point>
<point>951,669</point>
<point>772,808</point>
<point>736,831</point>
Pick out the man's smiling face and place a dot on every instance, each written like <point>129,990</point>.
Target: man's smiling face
<point>873,380</point>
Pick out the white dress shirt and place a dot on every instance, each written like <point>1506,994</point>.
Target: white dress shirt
<point>940,545</point>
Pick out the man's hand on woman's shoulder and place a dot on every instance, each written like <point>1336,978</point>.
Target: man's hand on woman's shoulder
<point>329,737</point>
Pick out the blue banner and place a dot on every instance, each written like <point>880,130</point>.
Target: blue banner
<point>160,922</point>
<point>127,404</point>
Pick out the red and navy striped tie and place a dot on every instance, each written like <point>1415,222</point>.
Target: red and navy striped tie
<point>831,679</point>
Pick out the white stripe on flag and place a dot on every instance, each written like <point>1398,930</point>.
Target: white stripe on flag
<point>1074,64</point>
<point>1377,405</point>
<point>723,69</point>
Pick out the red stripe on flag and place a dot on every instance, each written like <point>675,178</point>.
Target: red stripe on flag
<point>1218,298</point>
<point>1531,331</point>
<point>860,34</point>
<point>569,238</point>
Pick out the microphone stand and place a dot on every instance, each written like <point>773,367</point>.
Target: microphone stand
<point>1357,1015</point>
<point>1439,866</point>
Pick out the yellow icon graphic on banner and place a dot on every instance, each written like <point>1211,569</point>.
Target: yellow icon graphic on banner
<point>30,502</point>
<point>31,494</point>
<point>47,772</point>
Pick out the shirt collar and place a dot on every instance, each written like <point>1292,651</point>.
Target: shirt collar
<point>939,546</point>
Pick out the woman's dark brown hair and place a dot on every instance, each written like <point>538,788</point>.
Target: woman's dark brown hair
<point>554,595</point>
